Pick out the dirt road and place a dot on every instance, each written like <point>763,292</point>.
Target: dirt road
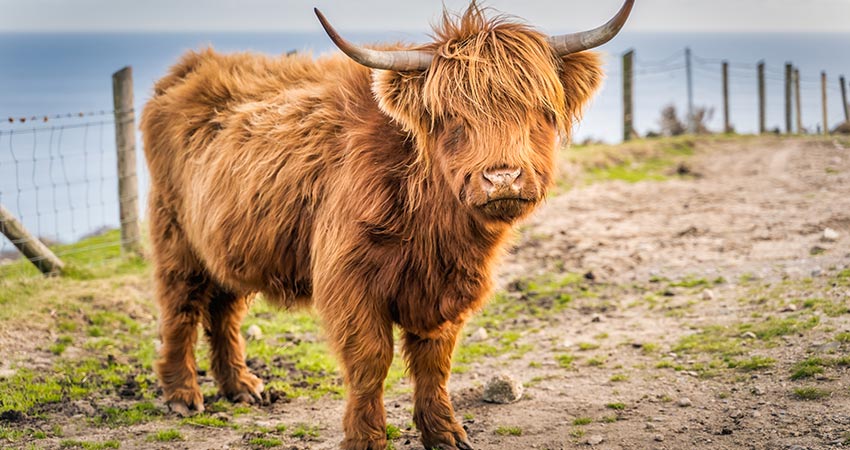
<point>705,311</point>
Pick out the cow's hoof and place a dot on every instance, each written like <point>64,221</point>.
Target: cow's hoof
<point>364,444</point>
<point>448,441</point>
<point>246,389</point>
<point>186,402</point>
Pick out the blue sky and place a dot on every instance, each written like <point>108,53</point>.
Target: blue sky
<point>410,15</point>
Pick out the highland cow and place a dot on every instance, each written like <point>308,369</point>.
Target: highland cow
<point>378,187</point>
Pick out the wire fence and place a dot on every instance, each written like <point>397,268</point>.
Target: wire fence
<point>657,84</point>
<point>58,179</point>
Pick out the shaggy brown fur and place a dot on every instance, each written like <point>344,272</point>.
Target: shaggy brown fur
<point>361,191</point>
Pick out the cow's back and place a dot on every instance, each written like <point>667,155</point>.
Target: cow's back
<point>237,147</point>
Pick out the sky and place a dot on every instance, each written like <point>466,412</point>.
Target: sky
<point>416,15</point>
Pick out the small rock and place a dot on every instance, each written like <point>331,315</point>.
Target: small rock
<point>502,389</point>
<point>829,347</point>
<point>757,391</point>
<point>254,333</point>
<point>708,294</point>
<point>7,373</point>
<point>756,414</point>
<point>594,440</point>
<point>749,335</point>
<point>659,438</point>
<point>816,272</point>
<point>479,335</point>
<point>790,308</point>
<point>684,402</point>
<point>596,318</point>
<point>830,235</point>
<point>83,407</point>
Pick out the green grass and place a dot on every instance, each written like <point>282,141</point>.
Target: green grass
<point>578,421</point>
<point>303,431</point>
<point>565,361</point>
<point>810,393</point>
<point>616,406</point>
<point>122,417</point>
<point>265,442</point>
<point>753,363</point>
<point>203,420</point>
<point>393,432</point>
<point>509,431</point>
<point>616,378</point>
<point>165,436</point>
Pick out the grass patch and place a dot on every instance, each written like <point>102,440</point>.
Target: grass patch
<point>205,421</point>
<point>165,436</point>
<point>265,442</point>
<point>509,431</point>
<point>578,421</point>
<point>122,417</point>
<point>810,393</point>
<point>616,406</point>
<point>393,432</point>
<point>565,361</point>
<point>752,364</point>
<point>303,431</point>
<point>616,378</point>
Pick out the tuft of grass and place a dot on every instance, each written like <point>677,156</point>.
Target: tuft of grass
<point>691,283</point>
<point>752,364</point>
<point>203,420</point>
<point>565,361</point>
<point>121,417</point>
<point>170,435</point>
<point>616,378</point>
<point>303,431</point>
<point>810,393</point>
<point>843,338</point>
<point>585,346</point>
<point>808,368</point>
<point>616,406</point>
<point>509,431</point>
<point>393,432</point>
<point>265,442</point>
<point>582,421</point>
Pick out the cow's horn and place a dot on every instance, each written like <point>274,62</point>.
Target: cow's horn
<point>566,44</point>
<point>399,61</point>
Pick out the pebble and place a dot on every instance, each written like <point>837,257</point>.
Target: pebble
<point>757,390</point>
<point>790,308</point>
<point>479,335</point>
<point>595,440</point>
<point>659,438</point>
<point>596,318</point>
<point>708,294</point>
<point>749,335</point>
<point>83,407</point>
<point>816,272</point>
<point>830,235</point>
<point>684,402</point>
<point>254,333</point>
<point>7,373</point>
<point>502,389</point>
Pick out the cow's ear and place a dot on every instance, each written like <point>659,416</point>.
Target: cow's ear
<point>581,74</point>
<point>399,95</point>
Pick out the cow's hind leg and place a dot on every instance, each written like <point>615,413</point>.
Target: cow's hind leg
<point>182,304</point>
<point>430,363</point>
<point>227,348</point>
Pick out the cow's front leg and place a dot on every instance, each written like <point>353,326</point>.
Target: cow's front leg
<point>430,363</point>
<point>364,341</point>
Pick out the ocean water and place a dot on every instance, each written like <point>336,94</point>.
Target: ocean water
<point>59,176</point>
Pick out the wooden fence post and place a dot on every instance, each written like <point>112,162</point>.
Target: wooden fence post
<point>628,101</point>
<point>125,141</point>
<point>33,249</point>
<point>788,101</point>
<point>762,100</point>
<point>727,124</point>
<point>844,98</point>
<point>823,100</point>
<point>798,101</point>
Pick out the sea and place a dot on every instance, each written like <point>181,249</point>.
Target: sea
<point>58,174</point>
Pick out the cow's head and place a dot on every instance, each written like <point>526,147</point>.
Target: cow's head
<point>488,102</point>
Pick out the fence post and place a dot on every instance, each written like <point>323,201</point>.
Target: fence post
<point>762,100</point>
<point>32,248</point>
<point>823,100</point>
<point>125,141</point>
<point>727,125</point>
<point>798,101</point>
<point>788,109</point>
<point>844,99</point>
<point>692,126</point>
<point>628,103</point>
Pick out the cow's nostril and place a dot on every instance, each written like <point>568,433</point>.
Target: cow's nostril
<point>502,178</point>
